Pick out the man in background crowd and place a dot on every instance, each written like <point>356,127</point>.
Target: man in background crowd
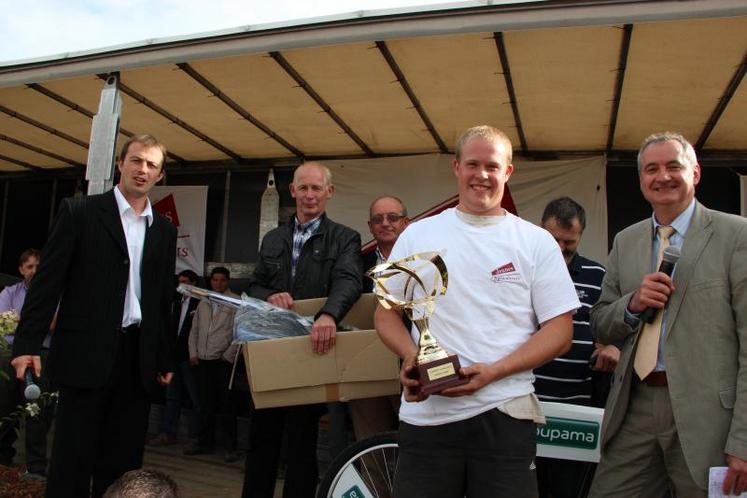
<point>183,380</point>
<point>211,354</point>
<point>582,375</point>
<point>11,391</point>
<point>387,218</point>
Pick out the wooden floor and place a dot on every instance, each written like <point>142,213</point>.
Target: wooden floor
<point>203,476</point>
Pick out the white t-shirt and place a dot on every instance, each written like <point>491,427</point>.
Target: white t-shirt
<point>503,281</point>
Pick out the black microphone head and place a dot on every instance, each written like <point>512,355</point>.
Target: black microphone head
<point>671,254</point>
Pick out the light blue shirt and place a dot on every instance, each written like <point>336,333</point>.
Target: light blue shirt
<point>680,225</point>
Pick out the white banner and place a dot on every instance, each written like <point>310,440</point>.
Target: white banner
<point>186,208</point>
<point>743,190</point>
<point>427,180</point>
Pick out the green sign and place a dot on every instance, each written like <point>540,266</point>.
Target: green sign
<point>354,492</point>
<point>569,433</point>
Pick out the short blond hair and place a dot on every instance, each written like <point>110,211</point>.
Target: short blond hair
<point>484,132</point>
<point>326,173</point>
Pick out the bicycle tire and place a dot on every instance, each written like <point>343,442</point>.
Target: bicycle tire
<point>362,460</point>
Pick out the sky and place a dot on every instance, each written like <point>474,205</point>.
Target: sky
<point>37,28</point>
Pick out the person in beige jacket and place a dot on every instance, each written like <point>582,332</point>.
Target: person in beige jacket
<point>682,408</point>
<point>211,355</point>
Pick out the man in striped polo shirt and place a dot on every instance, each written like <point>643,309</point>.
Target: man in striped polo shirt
<point>581,376</point>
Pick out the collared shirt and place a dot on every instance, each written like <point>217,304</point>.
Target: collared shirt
<point>379,257</point>
<point>183,314</point>
<point>302,233</point>
<point>134,226</point>
<point>568,378</point>
<point>680,225</point>
<point>12,298</point>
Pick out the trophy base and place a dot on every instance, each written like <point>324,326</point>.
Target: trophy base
<point>437,375</point>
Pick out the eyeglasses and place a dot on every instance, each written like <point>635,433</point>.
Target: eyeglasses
<point>378,219</point>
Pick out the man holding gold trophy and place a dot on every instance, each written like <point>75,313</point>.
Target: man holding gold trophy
<point>491,299</point>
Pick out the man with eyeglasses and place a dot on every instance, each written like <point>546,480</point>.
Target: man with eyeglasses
<point>386,220</point>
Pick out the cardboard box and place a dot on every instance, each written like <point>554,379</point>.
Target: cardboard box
<point>286,372</point>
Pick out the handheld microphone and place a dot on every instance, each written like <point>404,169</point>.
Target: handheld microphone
<point>32,391</point>
<point>668,260</point>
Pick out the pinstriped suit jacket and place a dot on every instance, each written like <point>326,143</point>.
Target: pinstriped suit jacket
<point>85,268</point>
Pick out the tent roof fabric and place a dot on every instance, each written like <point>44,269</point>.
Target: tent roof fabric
<point>569,76</point>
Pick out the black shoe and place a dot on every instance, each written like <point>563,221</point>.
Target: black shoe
<point>230,456</point>
<point>196,449</point>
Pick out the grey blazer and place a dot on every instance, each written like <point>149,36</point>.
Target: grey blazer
<point>706,342</point>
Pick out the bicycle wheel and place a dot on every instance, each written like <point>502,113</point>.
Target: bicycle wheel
<point>364,469</point>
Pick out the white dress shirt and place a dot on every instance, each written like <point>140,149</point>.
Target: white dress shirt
<point>183,313</point>
<point>134,231</point>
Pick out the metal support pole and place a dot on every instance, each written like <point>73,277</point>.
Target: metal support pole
<point>5,216</point>
<point>51,203</point>
<point>104,129</point>
<point>269,208</point>
<point>224,227</point>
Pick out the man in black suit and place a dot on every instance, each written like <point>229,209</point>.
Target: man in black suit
<point>183,381</point>
<point>109,263</point>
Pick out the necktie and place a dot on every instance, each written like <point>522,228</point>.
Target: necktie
<point>648,342</point>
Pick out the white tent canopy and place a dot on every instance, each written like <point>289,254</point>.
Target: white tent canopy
<point>579,77</point>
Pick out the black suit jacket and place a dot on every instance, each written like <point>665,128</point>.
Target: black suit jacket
<point>182,334</point>
<point>85,268</point>
<point>369,261</point>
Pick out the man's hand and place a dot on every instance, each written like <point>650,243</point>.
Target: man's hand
<point>735,481</point>
<point>479,374</point>
<point>21,363</point>
<point>281,300</point>
<point>411,386</point>
<point>323,333</point>
<point>194,360</point>
<point>164,378</point>
<point>606,357</point>
<point>653,292</point>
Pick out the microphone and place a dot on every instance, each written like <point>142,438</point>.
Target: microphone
<point>668,260</point>
<point>32,391</point>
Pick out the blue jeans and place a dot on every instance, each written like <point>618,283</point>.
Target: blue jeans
<point>182,381</point>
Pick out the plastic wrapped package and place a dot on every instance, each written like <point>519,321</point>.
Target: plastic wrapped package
<point>256,320</point>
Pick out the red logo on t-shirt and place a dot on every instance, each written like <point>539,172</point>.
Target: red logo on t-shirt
<point>507,268</point>
<point>504,273</point>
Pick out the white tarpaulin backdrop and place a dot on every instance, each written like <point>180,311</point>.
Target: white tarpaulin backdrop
<point>425,181</point>
<point>186,208</point>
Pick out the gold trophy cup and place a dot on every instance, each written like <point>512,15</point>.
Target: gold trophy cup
<point>419,278</point>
